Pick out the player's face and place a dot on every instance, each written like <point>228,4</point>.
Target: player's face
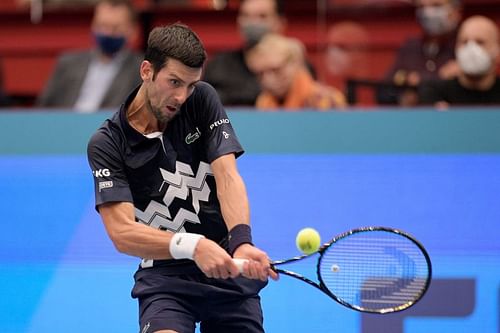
<point>173,84</point>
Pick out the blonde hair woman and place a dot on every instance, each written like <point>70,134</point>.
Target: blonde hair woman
<point>286,83</point>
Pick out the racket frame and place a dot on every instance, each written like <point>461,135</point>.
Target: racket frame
<point>322,286</point>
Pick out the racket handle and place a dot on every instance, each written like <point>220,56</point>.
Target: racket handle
<point>239,262</point>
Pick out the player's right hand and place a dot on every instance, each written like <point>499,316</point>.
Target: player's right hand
<point>214,261</point>
<point>257,264</point>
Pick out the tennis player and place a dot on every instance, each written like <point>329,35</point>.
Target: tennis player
<point>168,191</point>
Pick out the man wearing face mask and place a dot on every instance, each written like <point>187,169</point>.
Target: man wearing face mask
<point>100,78</point>
<point>228,71</point>
<point>346,57</point>
<point>478,55</point>
<point>430,56</point>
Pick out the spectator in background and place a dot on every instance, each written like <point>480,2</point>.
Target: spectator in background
<point>429,56</point>
<point>228,71</point>
<point>280,67</point>
<point>345,56</point>
<point>102,77</point>
<point>478,55</point>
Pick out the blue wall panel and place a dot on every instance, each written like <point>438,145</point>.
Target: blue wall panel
<point>59,272</point>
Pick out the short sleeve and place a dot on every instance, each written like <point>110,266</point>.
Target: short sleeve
<point>110,180</point>
<point>219,135</point>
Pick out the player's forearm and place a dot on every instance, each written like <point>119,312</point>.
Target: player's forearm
<point>233,199</point>
<point>231,191</point>
<point>143,242</point>
<point>134,238</point>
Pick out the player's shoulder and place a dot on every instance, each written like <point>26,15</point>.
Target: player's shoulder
<point>204,93</point>
<point>204,88</point>
<point>107,135</point>
<point>203,101</point>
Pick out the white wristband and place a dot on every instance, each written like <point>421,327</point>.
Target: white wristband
<point>183,244</point>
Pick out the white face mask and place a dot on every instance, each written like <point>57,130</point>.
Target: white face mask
<point>435,20</point>
<point>473,59</point>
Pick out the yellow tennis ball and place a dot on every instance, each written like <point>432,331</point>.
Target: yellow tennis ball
<point>308,240</point>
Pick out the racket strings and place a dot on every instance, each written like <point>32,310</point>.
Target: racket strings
<point>375,271</point>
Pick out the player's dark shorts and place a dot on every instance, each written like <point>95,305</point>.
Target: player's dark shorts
<point>177,302</point>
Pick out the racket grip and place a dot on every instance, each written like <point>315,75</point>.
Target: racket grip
<point>239,262</point>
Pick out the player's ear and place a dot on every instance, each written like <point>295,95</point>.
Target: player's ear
<point>147,71</point>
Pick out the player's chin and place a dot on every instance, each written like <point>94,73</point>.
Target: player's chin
<point>169,113</point>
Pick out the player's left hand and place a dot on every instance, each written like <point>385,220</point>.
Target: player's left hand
<point>258,265</point>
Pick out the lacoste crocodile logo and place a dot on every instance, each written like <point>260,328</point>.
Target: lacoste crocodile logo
<point>192,137</point>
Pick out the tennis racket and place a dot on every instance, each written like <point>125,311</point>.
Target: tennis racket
<point>371,269</point>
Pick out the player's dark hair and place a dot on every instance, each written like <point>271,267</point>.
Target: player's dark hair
<point>125,3</point>
<point>176,41</point>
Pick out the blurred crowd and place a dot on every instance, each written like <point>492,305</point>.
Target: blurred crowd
<point>452,61</point>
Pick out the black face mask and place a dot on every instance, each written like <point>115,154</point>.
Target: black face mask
<point>109,45</point>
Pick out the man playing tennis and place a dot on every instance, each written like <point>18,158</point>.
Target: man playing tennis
<point>168,190</point>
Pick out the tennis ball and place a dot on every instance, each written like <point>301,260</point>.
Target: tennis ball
<point>308,240</point>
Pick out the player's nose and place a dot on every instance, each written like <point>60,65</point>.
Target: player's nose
<point>181,95</point>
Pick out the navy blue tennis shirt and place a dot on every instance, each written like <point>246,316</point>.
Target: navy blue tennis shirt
<point>168,177</point>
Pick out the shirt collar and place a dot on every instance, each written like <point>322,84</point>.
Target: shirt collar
<point>133,136</point>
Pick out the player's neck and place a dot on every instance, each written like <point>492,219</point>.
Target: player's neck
<point>139,117</point>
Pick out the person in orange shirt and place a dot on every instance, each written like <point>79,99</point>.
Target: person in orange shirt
<point>286,83</point>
